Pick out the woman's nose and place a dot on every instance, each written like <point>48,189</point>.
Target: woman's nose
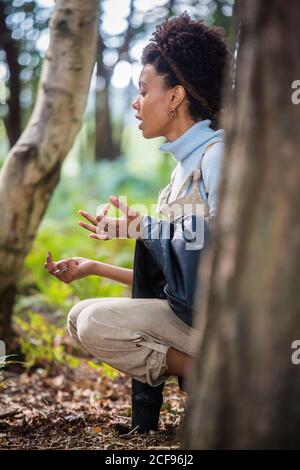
<point>135,103</point>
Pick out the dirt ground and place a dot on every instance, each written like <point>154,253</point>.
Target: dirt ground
<point>79,409</point>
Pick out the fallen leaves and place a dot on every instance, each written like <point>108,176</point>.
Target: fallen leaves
<point>79,409</point>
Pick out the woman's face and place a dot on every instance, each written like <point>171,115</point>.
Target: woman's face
<point>152,104</point>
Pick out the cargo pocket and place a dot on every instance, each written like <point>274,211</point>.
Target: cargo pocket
<point>156,362</point>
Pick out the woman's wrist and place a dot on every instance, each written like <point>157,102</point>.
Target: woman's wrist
<point>96,268</point>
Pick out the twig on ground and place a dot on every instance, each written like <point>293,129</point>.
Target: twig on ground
<point>8,414</point>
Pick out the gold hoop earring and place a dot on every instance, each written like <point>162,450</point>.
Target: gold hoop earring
<point>172,113</point>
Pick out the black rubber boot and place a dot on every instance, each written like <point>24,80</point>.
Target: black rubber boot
<point>146,402</point>
<point>181,384</point>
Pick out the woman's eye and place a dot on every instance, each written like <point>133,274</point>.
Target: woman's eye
<point>142,93</point>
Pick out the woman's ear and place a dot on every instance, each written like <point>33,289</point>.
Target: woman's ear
<point>178,95</point>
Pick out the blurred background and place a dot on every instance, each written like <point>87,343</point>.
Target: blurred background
<point>109,156</point>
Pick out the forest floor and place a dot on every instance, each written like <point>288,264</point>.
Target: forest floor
<point>79,409</point>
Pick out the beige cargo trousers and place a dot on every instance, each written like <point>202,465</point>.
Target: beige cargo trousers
<point>131,335</point>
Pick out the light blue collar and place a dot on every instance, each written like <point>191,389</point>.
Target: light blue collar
<point>192,139</point>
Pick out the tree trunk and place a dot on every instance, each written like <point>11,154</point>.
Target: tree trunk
<point>105,149</point>
<point>12,121</point>
<point>32,168</point>
<point>244,387</point>
<point>108,145</point>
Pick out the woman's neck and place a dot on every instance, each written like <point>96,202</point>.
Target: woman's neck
<point>178,127</point>
<point>196,136</point>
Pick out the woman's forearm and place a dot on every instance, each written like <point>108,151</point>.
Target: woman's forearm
<point>115,273</point>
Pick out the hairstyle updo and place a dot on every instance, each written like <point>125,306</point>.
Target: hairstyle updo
<point>201,55</point>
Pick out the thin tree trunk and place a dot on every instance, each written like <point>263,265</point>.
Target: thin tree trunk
<point>32,168</point>
<point>245,389</point>
<point>105,146</point>
<point>12,121</point>
<point>108,145</point>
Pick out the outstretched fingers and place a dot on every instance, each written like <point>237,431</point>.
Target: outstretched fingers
<point>91,228</point>
<point>88,216</point>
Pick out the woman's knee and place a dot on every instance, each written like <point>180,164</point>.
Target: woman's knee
<point>76,311</point>
<point>72,322</point>
<point>88,330</point>
<point>73,315</point>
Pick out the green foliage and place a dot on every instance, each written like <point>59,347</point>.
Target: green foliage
<point>105,369</point>
<point>71,241</point>
<point>4,361</point>
<point>42,342</point>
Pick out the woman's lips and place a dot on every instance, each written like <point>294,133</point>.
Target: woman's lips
<point>139,120</point>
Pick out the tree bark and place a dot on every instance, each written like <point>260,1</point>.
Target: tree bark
<point>244,388</point>
<point>32,168</point>
<point>12,121</point>
<point>105,148</point>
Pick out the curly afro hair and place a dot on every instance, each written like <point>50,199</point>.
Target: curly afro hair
<point>201,55</point>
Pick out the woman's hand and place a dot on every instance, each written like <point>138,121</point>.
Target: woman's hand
<point>70,269</point>
<point>106,228</point>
